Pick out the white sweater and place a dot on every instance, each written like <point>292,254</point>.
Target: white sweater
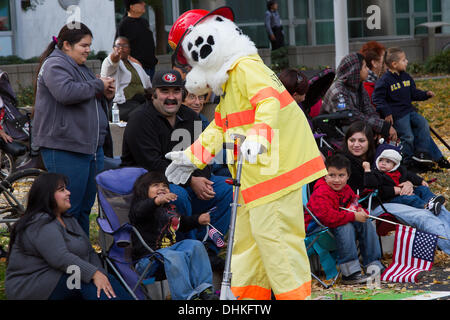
<point>122,76</point>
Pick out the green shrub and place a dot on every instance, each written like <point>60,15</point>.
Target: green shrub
<point>415,68</point>
<point>101,55</point>
<point>25,96</point>
<point>439,63</point>
<point>280,59</point>
<point>13,59</point>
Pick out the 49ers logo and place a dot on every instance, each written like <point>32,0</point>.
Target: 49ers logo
<point>170,77</point>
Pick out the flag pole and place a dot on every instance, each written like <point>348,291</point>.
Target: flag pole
<point>209,224</point>
<point>384,220</point>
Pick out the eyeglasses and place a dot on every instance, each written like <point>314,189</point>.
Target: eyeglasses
<point>193,97</point>
<point>121,46</point>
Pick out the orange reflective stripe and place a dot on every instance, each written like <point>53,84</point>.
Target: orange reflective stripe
<point>200,152</point>
<point>238,119</point>
<point>283,181</point>
<point>301,293</point>
<point>251,292</point>
<point>218,119</point>
<point>284,97</point>
<point>262,129</point>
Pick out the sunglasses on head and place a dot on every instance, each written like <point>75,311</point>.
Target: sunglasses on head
<point>300,78</point>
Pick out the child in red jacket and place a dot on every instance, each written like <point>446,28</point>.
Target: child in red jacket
<point>330,195</point>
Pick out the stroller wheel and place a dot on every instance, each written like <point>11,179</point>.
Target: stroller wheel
<point>6,164</point>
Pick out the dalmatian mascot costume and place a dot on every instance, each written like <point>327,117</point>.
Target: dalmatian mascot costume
<point>279,150</point>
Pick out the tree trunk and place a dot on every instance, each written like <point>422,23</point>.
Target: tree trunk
<point>161,34</point>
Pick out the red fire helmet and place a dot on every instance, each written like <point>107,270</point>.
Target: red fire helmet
<point>187,20</point>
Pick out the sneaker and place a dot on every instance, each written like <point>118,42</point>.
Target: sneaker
<point>422,157</point>
<point>443,163</point>
<point>435,204</point>
<point>208,295</point>
<point>356,278</point>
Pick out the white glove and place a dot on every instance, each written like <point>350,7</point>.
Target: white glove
<point>181,168</point>
<point>250,150</point>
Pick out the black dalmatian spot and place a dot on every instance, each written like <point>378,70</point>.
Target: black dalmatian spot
<point>205,51</point>
<point>195,56</point>
<point>240,31</point>
<point>199,41</point>
<point>201,49</point>
<point>219,19</point>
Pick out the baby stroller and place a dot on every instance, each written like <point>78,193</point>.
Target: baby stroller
<point>18,126</point>
<point>327,128</point>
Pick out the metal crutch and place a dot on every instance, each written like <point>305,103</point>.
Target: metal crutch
<point>225,290</point>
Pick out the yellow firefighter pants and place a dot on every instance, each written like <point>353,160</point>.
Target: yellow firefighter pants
<point>269,251</point>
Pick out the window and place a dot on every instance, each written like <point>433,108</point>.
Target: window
<point>5,21</point>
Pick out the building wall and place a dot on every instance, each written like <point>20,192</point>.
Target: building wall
<point>35,28</point>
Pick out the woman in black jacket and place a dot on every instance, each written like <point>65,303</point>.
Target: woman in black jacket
<point>359,146</point>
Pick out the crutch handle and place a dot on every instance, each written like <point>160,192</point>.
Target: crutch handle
<point>233,182</point>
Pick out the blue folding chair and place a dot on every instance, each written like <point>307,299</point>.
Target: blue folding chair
<point>114,198</point>
<point>320,244</point>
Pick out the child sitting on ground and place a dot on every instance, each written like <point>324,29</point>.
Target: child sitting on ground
<point>388,174</point>
<point>186,263</point>
<point>330,202</point>
<point>393,95</point>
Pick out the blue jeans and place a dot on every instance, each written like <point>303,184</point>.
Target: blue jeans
<point>419,199</point>
<point>346,236</point>
<point>81,170</point>
<point>414,132</point>
<point>188,204</point>
<point>87,291</point>
<point>422,220</point>
<point>187,268</point>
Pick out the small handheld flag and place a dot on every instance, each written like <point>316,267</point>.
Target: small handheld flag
<point>214,234</point>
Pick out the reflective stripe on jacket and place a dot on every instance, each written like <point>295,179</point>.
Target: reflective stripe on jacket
<point>256,104</point>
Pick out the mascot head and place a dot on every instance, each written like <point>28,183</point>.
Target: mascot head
<point>210,42</point>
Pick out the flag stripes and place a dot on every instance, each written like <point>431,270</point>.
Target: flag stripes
<point>413,253</point>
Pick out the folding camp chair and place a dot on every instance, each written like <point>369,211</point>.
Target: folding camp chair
<point>114,198</point>
<point>320,244</point>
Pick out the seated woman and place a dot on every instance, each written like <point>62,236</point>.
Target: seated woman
<point>47,243</point>
<point>296,83</point>
<point>130,78</point>
<point>351,73</point>
<point>373,53</point>
<point>359,146</point>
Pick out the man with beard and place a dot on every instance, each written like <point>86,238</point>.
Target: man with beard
<point>164,125</point>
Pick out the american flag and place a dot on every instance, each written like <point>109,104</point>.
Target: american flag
<point>413,253</point>
<point>215,236</point>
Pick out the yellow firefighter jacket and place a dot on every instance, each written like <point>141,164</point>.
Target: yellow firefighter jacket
<point>256,104</point>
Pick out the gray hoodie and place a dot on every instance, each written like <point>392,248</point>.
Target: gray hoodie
<point>35,268</point>
<point>68,110</point>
